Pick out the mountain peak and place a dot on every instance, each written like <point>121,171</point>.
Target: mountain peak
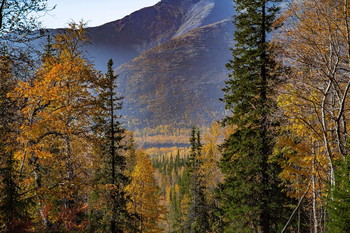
<point>170,59</point>
<point>180,1</point>
<point>151,26</point>
<point>179,82</point>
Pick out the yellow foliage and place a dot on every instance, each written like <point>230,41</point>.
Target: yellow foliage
<point>55,142</point>
<point>314,96</point>
<point>144,195</point>
<point>211,156</point>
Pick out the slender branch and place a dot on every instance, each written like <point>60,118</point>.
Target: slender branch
<point>45,135</point>
<point>296,208</point>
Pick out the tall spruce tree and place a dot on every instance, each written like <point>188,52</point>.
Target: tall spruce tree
<point>250,194</point>
<point>117,160</point>
<point>198,212</point>
<point>113,149</point>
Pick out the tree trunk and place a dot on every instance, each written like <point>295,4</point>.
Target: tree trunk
<point>113,195</point>
<point>37,178</point>
<point>3,2</point>
<point>314,201</point>
<point>265,218</point>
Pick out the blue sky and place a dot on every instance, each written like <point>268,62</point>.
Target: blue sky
<point>95,12</point>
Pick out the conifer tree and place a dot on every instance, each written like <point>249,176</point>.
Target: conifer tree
<point>118,179</point>
<point>339,204</point>
<point>198,213</point>
<point>250,193</point>
<point>174,214</point>
<point>13,215</point>
<point>113,149</point>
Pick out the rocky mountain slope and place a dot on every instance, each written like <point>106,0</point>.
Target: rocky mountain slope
<point>127,38</point>
<point>178,82</point>
<point>171,59</point>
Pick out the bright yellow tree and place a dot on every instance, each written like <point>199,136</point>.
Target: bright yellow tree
<point>55,135</point>
<point>314,97</point>
<point>145,197</point>
<point>211,156</point>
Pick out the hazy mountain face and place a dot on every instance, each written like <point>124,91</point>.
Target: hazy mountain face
<point>127,38</point>
<point>178,82</point>
<point>171,59</point>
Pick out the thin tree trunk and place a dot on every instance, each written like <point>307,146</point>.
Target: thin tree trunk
<point>265,217</point>
<point>314,201</point>
<point>300,199</point>
<point>298,220</point>
<point>69,165</point>
<point>37,178</point>
<point>113,177</point>
<point>40,201</point>
<point>296,208</point>
<point>2,6</point>
<point>325,135</point>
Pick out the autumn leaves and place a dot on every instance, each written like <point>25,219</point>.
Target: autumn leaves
<point>68,170</point>
<point>314,98</point>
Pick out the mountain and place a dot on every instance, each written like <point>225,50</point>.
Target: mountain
<point>171,61</point>
<point>178,82</point>
<point>129,37</point>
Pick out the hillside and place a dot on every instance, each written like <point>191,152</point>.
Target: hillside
<point>127,38</point>
<point>178,82</point>
<point>171,61</point>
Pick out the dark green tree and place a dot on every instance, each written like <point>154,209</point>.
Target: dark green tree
<point>250,195</point>
<point>13,214</point>
<point>112,147</point>
<point>198,212</point>
<point>117,161</point>
<point>339,203</point>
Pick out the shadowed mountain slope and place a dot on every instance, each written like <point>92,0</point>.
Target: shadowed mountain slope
<point>127,38</point>
<point>171,59</point>
<point>178,82</point>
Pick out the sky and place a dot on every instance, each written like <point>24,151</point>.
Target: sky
<point>94,12</point>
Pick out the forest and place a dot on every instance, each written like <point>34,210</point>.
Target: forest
<point>277,162</point>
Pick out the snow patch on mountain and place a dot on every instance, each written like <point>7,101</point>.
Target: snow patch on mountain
<point>195,16</point>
